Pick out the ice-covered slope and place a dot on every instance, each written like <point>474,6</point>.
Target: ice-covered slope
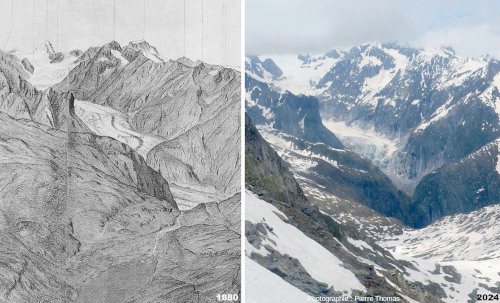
<point>301,73</point>
<point>45,67</point>
<point>365,142</point>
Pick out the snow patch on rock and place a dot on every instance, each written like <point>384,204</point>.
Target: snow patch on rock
<point>316,259</point>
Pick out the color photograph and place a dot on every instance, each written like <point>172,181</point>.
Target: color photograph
<point>372,151</point>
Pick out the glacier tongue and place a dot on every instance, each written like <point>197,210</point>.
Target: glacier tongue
<point>105,121</point>
<point>368,143</point>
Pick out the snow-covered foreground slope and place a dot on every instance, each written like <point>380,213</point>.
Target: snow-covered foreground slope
<point>462,237</point>
<point>105,121</point>
<point>461,253</point>
<point>263,286</point>
<point>287,239</point>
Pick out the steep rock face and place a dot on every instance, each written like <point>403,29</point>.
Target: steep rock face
<point>207,148</point>
<point>296,115</point>
<point>267,70</point>
<point>11,98</point>
<point>27,65</point>
<point>468,185</point>
<point>133,49</point>
<point>21,100</point>
<point>93,67</point>
<point>449,139</point>
<point>266,172</point>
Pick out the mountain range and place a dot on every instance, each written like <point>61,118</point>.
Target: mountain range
<point>410,111</point>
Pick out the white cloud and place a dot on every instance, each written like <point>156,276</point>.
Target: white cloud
<point>469,41</point>
<point>296,26</point>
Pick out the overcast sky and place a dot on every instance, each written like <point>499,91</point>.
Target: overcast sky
<point>85,23</point>
<point>472,28</point>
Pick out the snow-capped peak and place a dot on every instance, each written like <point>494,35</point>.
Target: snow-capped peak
<point>147,50</point>
<point>143,45</point>
<point>45,66</point>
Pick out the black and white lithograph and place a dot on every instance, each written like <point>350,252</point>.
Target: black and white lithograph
<point>372,168</point>
<point>119,151</point>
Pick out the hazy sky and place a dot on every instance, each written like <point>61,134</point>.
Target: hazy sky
<point>472,28</point>
<point>85,23</point>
